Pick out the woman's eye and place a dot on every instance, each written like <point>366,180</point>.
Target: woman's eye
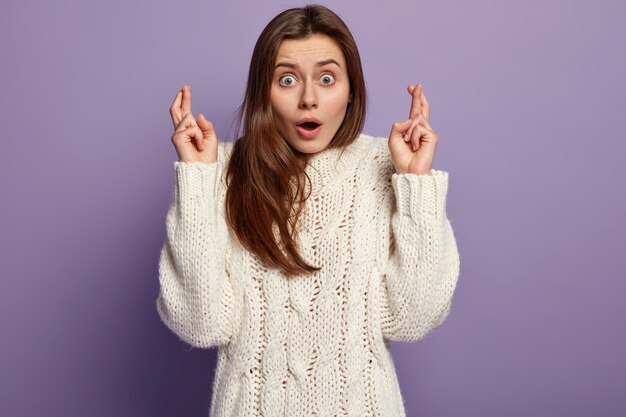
<point>286,77</point>
<point>326,77</point>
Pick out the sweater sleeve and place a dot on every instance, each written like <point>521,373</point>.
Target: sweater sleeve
<point>196,299</point>
<point>423,266</point>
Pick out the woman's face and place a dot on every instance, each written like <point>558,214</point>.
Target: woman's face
<point>302,88</point>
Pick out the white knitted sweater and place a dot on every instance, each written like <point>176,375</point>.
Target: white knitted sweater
<point>317,344</point>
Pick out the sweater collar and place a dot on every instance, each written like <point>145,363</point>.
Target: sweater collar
<point>332,164</point>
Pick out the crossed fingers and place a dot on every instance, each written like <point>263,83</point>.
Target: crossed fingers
<point>181,105</point>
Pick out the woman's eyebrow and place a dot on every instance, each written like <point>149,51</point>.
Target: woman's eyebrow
<point>319,64</point>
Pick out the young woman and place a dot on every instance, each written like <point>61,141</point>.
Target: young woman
<point>305,246</point>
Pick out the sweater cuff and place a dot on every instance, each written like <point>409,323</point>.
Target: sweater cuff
<point>421,195</point>
<point>197,178</point>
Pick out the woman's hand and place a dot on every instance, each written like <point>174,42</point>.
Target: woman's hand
<point>194,140</point>
<point>412,142</point>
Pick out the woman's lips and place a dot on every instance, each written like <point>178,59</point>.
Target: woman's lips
<point>308,133</point>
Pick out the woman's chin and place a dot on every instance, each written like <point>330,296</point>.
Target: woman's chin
<point>304,146</point>
<point>311,146</point>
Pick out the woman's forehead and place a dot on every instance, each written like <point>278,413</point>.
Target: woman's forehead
<point>313,48</point>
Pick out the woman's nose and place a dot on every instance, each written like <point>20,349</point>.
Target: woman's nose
<point>308,97</point>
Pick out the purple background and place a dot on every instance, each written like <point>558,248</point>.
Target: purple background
<point>527,98</point>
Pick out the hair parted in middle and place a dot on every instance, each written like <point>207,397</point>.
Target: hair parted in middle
<point>265,175</point>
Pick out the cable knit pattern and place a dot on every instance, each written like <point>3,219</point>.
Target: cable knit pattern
<point>318,344</point>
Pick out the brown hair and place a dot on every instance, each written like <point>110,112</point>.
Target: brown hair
<point>264,174</point>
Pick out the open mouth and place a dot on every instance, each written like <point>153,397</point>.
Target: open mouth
<point>309,125</point>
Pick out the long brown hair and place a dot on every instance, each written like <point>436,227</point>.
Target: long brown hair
<point>264,174</point>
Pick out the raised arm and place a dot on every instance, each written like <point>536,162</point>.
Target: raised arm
<point>196,299</point>
<point>424,265</point>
